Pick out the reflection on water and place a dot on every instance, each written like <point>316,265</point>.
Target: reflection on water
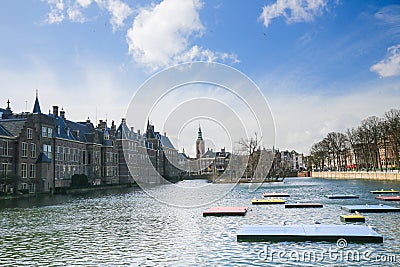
<point>128,227</point>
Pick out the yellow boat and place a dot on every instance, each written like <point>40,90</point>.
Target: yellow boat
<point>264,201</point>
<point>383,191</point>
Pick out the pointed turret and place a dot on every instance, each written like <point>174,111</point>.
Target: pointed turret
<point>200,134</point>
<point>36,107</point>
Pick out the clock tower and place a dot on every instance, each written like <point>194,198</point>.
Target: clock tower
<point>200,148</point>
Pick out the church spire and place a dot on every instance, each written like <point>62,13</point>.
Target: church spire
<point>36,107</point>
<point>199,134</point>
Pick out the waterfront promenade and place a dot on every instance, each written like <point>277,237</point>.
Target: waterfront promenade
<point>371,175</point>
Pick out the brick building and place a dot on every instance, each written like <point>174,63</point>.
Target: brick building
<point>43,151</point>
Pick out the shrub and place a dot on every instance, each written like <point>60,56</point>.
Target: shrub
<point>79,180</point>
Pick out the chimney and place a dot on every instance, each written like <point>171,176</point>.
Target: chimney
<point>165,134</point>
<point>62,113</point>
<point>138,131</point>
<point>88,120</point>
<point>132,129</point>
<point>55,111</point>
<point>113,128</point>
<point>123,121</point>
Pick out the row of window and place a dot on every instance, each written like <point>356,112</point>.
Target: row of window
<point>4,169</point>
<point>47,132</point>
<point>31,187</point>
<point>24,170</point>
<point>32,150</point>
<point>70,154</point>
<point>110,171</point>
<point>66,171</point>
<point>4,147</point>
<point>111,157</point>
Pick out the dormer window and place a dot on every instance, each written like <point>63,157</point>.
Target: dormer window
<point>67,131</point>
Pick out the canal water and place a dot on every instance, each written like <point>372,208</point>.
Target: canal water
<point>127,227</point>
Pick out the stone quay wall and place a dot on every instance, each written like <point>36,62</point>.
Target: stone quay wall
<point>371,175</point>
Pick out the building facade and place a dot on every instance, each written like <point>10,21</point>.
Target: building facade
<point>40,152</point>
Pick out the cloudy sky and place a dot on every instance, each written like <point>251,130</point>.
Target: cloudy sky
<point>323,65</point>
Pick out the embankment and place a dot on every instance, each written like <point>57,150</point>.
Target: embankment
<point>391,176</point>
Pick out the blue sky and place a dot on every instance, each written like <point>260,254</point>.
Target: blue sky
<point>323,65</point>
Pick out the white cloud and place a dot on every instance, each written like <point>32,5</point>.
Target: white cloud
<point>84,3</point>
<point>73,11</point>
<point>161,35</point>
<point>56,11</point>
<point>389,14</point>
<point>390,66</point>
<point>118,10</point>
<point>199,53</point>
<point>293,10</point>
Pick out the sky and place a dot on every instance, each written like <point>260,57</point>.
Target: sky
<point>322,65</point>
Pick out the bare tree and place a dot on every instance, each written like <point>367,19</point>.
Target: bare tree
<point>392,118</point>
<point>251,147</point>
<point>374,144</point>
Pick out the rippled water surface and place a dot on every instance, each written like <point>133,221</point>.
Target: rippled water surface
<point>127,227</point>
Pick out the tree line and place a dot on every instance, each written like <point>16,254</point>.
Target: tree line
<point>373,145</point>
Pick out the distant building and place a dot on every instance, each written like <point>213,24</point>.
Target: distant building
<point>206,162</point>
<point>163,154</point>
<point>222,159</point>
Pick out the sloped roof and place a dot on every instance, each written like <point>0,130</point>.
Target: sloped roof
<point>42,158</point>
<point>182,156</point>
<point>209,154</point>
<point>62,130</point>
<point>83,131</point>
<point>13,126</point>
<point>165,142</point>
<point>123,132</point>
<point>4,132</point>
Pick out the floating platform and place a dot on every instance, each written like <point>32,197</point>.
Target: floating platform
<point>383,191</point>
<point>352,218</point>
<point>276,194</point>
<point>315,232</point>
<point>370,208</point>
<point>391,198</point>
<point>269,201</point>
<point>304,205</point>
<point>341,196</point>
<point>225,211</point>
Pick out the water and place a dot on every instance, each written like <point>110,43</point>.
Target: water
<point>127,227</point>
